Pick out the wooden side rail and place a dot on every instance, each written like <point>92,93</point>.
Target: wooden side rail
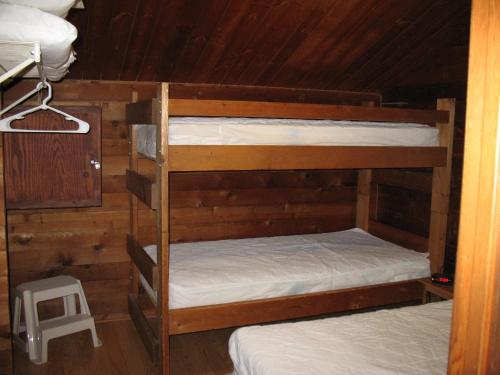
<point>222,158</point>
<point>398,236</point>
<point>203,318</point>
<point>146,112</point>
<point>143,188</point>
<point>146,332</point>
<point>143,262</point>
<point>411,180</point>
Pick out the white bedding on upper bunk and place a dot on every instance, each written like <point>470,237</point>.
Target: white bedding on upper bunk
<point>20,23</point>
<point>214,272</point>
<point>410,340</point>
<point>259,131</point>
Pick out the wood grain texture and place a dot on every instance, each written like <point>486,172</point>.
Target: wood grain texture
<point>5,331</point>
<point>235,108</point>
<point>53,170</point>
<point>124,354</point>
<point>224,158</point>
<point>143,188</point>
<point>401,237</point>
<point>440,197</point>
<point>143,262</point>
<point>331,44</point>
<point>476,311</point>
<point>143,327</point>
<point>88,243</point>
<point>274,309</point>
<point>269,94</point>
<point>144,112</point>
<point>363,199</point>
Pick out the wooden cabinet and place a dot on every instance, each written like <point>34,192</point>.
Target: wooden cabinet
<point>47,170</point>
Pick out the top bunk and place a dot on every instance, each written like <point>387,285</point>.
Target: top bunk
<point>206,127</point>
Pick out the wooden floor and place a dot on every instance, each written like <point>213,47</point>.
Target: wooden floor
<point>122,353</point>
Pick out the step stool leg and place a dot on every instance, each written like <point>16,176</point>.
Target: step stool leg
<point>42,349</point>
<point>69,305</point>
<point>95,339</point>
<point>31,325</point>
<point>84,307</point>
<point>16,328</point>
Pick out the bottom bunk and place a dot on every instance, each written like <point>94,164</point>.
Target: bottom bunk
<point>410,340</point>
<point>218,284</point>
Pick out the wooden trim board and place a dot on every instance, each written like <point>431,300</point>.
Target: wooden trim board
<point>146,112</point>
<point>234,108</point>
<point>143,328</point>
<point>475,333</point>
<point>143,188</point>
<point>220,158</point>
<point>273,309</point>
<point>143,262</point>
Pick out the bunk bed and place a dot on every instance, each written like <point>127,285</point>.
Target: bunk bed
<point>148,182</point>
<point>411,340</point>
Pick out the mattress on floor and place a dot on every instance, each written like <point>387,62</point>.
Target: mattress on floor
<point>258,131</point>
<point>410,340</point>
<point>214,272</point>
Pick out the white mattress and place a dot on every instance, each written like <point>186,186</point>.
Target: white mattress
<point>20,23</point>
<point>411,340</point>
<point>214,272</point>
<point>258,131</point>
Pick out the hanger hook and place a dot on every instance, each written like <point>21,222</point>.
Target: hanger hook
<point>48,98</point>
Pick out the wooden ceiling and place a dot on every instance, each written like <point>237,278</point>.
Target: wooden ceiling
<point>327,44</point>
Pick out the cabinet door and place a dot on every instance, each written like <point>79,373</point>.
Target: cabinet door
<point>47,170</point>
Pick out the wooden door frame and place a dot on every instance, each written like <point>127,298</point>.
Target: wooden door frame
<point>475,335</point>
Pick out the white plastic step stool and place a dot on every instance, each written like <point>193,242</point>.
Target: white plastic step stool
<point>38,333</point>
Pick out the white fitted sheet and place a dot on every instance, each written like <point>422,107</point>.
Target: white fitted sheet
<point>410,340</point>
<point>259,131</point>
<point>214,272</point>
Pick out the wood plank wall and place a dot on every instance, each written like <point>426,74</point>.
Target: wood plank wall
<point>5,342</point>
<point>90,243</point>
<point>212,206</point>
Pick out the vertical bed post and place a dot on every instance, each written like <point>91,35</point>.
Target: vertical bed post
<point>133,200</point>
<point>475,331</point>
<point>364,191</point>
<point>363,199</point>
<point>163,219</point>
<point>441,179</point>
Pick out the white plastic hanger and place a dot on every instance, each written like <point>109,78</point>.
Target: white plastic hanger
<point>83,126</point>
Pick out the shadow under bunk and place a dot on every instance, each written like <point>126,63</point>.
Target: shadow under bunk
<point>152,188</point>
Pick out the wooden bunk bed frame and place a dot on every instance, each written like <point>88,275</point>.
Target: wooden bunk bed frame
<point>154,192</point>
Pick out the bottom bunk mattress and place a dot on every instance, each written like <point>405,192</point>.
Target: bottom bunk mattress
<point>215,272</point>
<point>409,340</point>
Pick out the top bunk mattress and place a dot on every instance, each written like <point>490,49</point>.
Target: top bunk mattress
<point>410,340</point>
<point>214,272</point>
<point>259,131</point>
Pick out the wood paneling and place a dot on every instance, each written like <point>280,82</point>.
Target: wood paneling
<point>476,311</point>
<point>325,44</point>
<point>89,243</point>
<point>212,206</point>
<point>5,338</point>
<point>54,170</point>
